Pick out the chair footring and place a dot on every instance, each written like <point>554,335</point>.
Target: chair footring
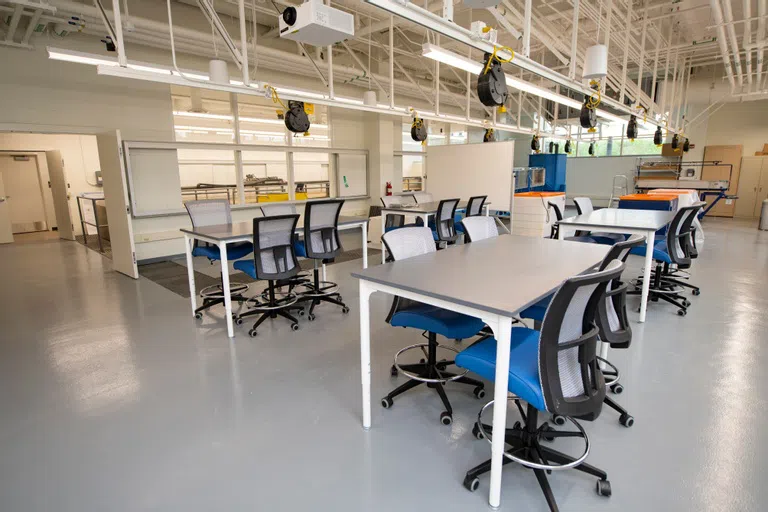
<point>215,291</point>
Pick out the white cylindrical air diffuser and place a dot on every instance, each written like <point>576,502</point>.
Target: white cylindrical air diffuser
<point>219,73</point>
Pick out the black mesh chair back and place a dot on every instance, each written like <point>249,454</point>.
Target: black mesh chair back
<point>321,233</point>
<point>274,209</point>
<point>475,206</point>
<point>209,212</point>
<point>678,239</point>
<point>689,227</point>
<point>479,228</point>
<point>571,381</point>
<point>406,243</point>
<point>612,312</point>
<point>558,217</point>
<point>273,251</point>
<point>445,225</point>
<point>393,220</point>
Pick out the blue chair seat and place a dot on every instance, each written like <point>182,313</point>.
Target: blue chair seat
<point>248,266</point>
<point>659,251</point>
<point>538,310</point>
<point>301,250</point>
<point>234,251</point>
<point>524,381</point>
<point>440,321</point>
<point>606,238</point>
<point>583,239</point>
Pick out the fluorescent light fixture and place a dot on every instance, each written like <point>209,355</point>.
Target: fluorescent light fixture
<point>202,115</point>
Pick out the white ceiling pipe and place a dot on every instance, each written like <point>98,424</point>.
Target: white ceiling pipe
<point>13,25</point>
<point>760,40</point>
<point>717,14</point>
<point>527,28</point>
<point>728,16</point>
<point>574,40</point>
<point>542,33</point>
<point>746,39</point>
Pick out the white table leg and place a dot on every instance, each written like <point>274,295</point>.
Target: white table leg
<point>325,278</point>
<point>649,240</point>
<point>364,229</point>
<point>188,241</point>
<point>560,232</point>
<point>383,247</point>
<point>365,351</point>
<point>503,338</point>
<point>227,294</point>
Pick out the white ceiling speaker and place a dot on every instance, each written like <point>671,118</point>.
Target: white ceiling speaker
<point>369,98</point>
<point>481,4</point>
<point>596,62</point>
<point>218,71</point>
<point>316,23</point>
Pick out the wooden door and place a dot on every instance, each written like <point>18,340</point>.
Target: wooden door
<point>726,155</point>
<point>749,181</point>
<point>762,189</point>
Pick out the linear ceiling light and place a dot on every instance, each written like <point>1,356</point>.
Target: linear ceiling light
<point>226,117</point>
<point>459,61</point>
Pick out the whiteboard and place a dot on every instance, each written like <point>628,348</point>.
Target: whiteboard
<point>155,185</point>
<point>465,170</point>
<point>352,172</point>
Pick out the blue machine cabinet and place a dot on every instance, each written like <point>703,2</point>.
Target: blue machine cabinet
<point>555,166</point>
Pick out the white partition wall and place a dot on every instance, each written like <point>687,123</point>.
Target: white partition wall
<point>465,170</point>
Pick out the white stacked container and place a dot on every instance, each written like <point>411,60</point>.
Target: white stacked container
<point>532,215</point>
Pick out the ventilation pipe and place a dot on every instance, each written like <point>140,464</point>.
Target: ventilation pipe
<point>728,12</point>
<point>717,13</point>
<point>760,41</point>
<point>748,39</point>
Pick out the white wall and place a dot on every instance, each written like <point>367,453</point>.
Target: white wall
<point>81,161</point>
<point>593,177</point>
<point>740,123</point>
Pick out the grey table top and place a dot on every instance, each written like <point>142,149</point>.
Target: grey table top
<point>501,275</point>
<point>607,218</point>
<point>422,208</point>
<point>244,229</point>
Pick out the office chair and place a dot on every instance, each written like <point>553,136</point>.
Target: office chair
<point>394,220</point>
<point>473,209</point>
<point>274,258</point>
<point>212,212</point>
<point>554,370</point>
<point>444,230</point>
<point>479,228</point>
<point>423,197</point>
<point>405,243</point>
<point>611,319</point>
<point>583,207</point>
<point>321,242</point>
<point>677,275</point>
<point>673,250</point>
<point>281,209</point>
<point>555,231</point>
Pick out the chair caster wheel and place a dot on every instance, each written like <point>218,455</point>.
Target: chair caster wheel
<point>345,310</point>
<point>238,321</point>
<point>517,426</point>
<point>626,420</point>
<point>471,484</point>
<point>603,488</point>
<point>681,312</point>
<point>477,432</point>
<point>696,291</point>
<point>558,419</point>
<point>422,361</point>
<point>617,389</point>
<point>446,418</point>
<point>294,327</point>
<point>393,371</point>
<point>546,427</point>
<point>198,316</point>
<point>302,312</point>
<point>386,402</point>
<point>252,333</point>
<point>479,392</point>
<point>686,303</point>
<point>311,317</point>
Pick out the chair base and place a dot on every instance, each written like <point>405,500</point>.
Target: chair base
<point>665,288</point>
<point>433,373</point>
<point>272,308</point>
<point>321,291</point>
<point>524,441</point>
<point>214,295</point>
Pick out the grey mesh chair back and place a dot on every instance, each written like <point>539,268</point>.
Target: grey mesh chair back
<point>406,243</point>
<point>423,197</point>
<point>321,233</point>
<point>209,212</point>
<point>571,381</point>
<point>475,205</point>
<point>393,220</point>
<point>274,209</point>
<point>444,220</point>
<point>678,239</point>
<point>273,251</point>
<point>612,317</point>
<point>479,228</point>
<point>407,199</point>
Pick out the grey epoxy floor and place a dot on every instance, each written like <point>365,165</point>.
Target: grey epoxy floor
<point>114,399</point>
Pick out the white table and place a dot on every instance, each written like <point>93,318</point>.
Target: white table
<point>422,211</point>
<point>221,235</point>
<point>476,279</point>
<point>629,222</point>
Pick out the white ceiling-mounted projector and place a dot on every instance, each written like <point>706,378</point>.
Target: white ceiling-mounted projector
<point>317,24</point>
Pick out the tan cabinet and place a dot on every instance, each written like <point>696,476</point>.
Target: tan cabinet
<point>753,186</point>
<point>726,155</point>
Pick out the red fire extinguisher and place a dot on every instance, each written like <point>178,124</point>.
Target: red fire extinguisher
<point>389,188</point>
